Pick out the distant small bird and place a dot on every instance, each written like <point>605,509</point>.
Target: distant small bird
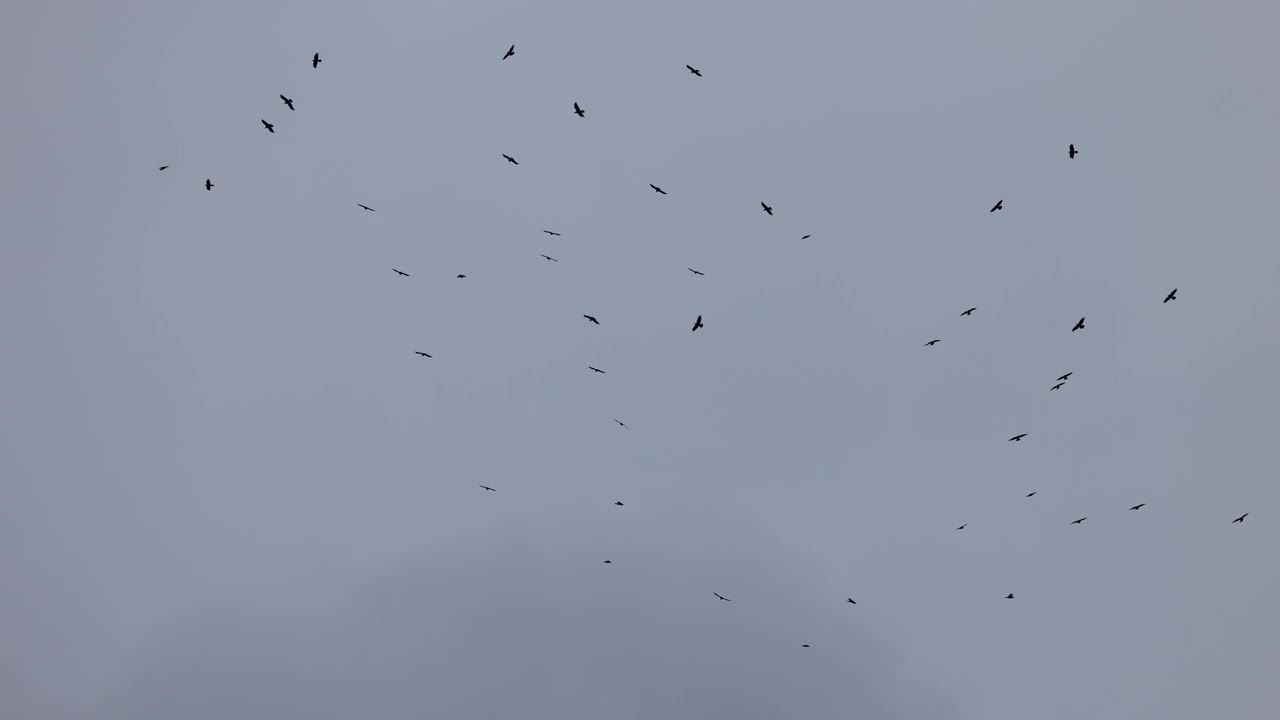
<point>1033,492</point>
<point>1017,438</point>
<point>510,51</point>
<point>607,562</point>
<point>163,168</point>
<point>1066,377</point>
<point>548,257</point>
<point>804,646</point>
<point>851,601</point>
<point>1079,325</point>
<point>805,237</point>
<point>1078,520</point>
<point>1241,518</point>
<point>621,423</point>
<point>696,272</point>
<point>366,207</point>
<point>1071,151</point>
<point>1173,294</point>
<point>270,128</point>
<point>998,206</point>
<point>589,367</point>
<point>1009,596</point>
<point>1055,387</point>
<point>963,526</point>
<point>486,487</point>
<point>694,70</point>
<point>968,312</point>
<point>577,110</point>
<point>697,324</point>
<point>208,184</point>
<point>419,352</point>
<point>618,503</point>
<point>510,159</point>
<point>553,234</point>
<point>767,208</point>
<point>591,319</point>
<point>721,597</point>
<point>460,276</point>
<point>931,343</point>
<point>287,101</point>
<point>315,60</point>
<point>1138,506</point>
<point>400,272</point>
<point>657,189</point>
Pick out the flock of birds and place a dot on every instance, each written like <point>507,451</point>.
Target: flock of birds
<point>697,324</point>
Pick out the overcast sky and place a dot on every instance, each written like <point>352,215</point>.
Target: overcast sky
<point>228,488</point>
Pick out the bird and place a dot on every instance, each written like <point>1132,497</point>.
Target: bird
<point>851,601</point>
<point>1017,438</point>
<point>931,343</point>
<point>270,128</point>
<point>1079,325</point>
<point>419,352</point>
<point>577,110</point>
<point>968,312</point>
<point>552,234</point>
<point>1055,387</point>
<point>1033,492</point>
<point>1138,506</point>
<point>963,526</point>
<point>460,276</point>
<point>510,51</point>
<point>805,237</point>
<point>657,189</point>
<point>548,257</point>
<point>721,596</point>
<point>767,208</point>
<point>163,168</point>
<point>1009,596</point>
<point>607,562</point>
<point>696,272</point>
<point>1173,294</point>
<point>1077,521</point>
<point>998,206</point>
<point>400,272</point>
<point>287,101</point>
<point>621,423</point>
<point>694,70</point>
<point>315,60</point>
<point>1241,518</point>
<point>486,487</point>
<point>618,503</point>
<point>366,207</point>
<point>804,646</point>
<point>589,367</point>
<point>697,324</point>
<point>1071,151</point>
<point>208,184</point>
<point>1066,377</point>
<point>510,159</point>
<point>591,319</point>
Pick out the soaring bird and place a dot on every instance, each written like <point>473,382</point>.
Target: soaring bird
<point>963,526</point>
<point>1071,152</point>
<point>1173,294</point>
<point>696,272</point>
<point>805,237</point>
<point>1055,387</point>
<point>607,562</point>
<point>315,60</point>
<point>998,206</point>
<point>595,369</point>
<point>486,487</point>
<point>591,319</point>
<point>968,312</point>
<point>621,423</point>
<point>548,257</point>
<point>767,208</point>
<point>287,101</point>
<point>694,70</point>
<point>804,646</point>
<point>1241,518</point>
<point>697,324</point>
<point>1017,438</point>
<point>657,189</point>
<point>1138,506</point>
<point>1077,521</point>
<point>510,51</point>
<point>1033,492</point>
<point>270,128</point>
<point>510,159</point>
<point>1079,325</point>
<point>931,343</point>
<point>366,207</point>
<point>419,352</point>
<point>208,184</point>
<point>577,110</point>
<point>851,601</point>
<point>1009,596</point>
<point>721,596</point>
<point>163,168</point>
<point>552,234</point>
<point>460,276</point>
<point>618,503</point>
<point>400,272</point>
<point>1066,377</point>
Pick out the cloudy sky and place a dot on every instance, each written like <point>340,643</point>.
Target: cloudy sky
<point>228,488</point>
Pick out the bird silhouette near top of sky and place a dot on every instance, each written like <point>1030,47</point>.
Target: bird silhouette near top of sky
<point>549,258</point>
<point>208,184</point>
<point>287,101</point>
<point>767,209</point>
<point>400,272</point>
<point>1017,438</point>
<point>315,60</point>
<point>577,110</point>
<point>1139,506</point>
<point>998,206</point>
<point>486,487</point>
<point>694,70</point>
<point>657,189</point>
<point>1077,521</point>
<point>1079,325</point>
<point>591,319</point>
<point>696,272</point>
<point>366,207</point>
<point>933,342</point>
<point>510,51</point>
<point>721,597</point>
<point>969,311</point>
<point>697,324</point>
<point>551,233</point>
<point>270,128</point>
<point>163,168</point>
<point>1173,295</point>
<point>1071,151</point>
<point>510,159</point>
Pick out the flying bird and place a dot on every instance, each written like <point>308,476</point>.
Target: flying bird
<point>1173,294</point>
<point>931,343</point>
<point>208,184</point>
<point>400,272</point>
<point>1033,492</point>
<point>767,208</point>
<point>721,597</point>
<point>591,319</point>
<point>1138,506</point>
<point>315,60</point>
<point>577,110</point>
<point>163,168</point>
<point>287,101</point>
<point>595,369</point>
<point>657,189</point>
<point>270,128</point>
<point>694,70</point>
<point>510,51</point>
<point>548,257</point>
<point>607,562</point>
<point>1055,387</point>
<point>366,207</point>
<point>552,234</point>
<point>510,159</point>
<point>618,503</point>
<point>623,425</point>
<point>419,352</point>
<point>1071,151</point>
<point>1017,438</point>
<point>963,526</point>
<point>804,646</point>
<point>805,237</point>
<point>1009,596</point>
<point>486,487</point>
<point>851,601</point>
<point>968,312</point>
<point>1241,518</point>
<point>1066,377</point>
<point>696,272</point>
<point>1077,521</point>
<point>1079,325</point>
<point>998,206</point>
<point>697,324</point>
<point>460,276</point>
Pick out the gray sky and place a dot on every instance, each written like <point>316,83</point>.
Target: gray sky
<point>228,487</point>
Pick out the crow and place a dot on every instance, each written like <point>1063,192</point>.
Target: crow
<point>548,257</point>
<point>315,60</point>
<point>696,272</point>
<point>721,597</point>
<point>931,343</point>
<point>460,276</point>
<point>851,601</point>
<point>552,234</point>
<point>963,526</point>
<point>208,184</point>
<point>1033,492</point>
<point>1071,151</point>
<point>163,168</point>
<point>621,423</point>
<point>1055,387</point>
<point>607,562</point>
<point>694,70</point>
<point>1138,506</point>
<point>577,110</point>
<point>1066,377</point>
<point>270,128</point>
<point>1241,518</point>
<point>767,208</point>
<point>1173,294</point>
<point>486,487</point>
<point>657,189</point>
<point>1009,596</point>
<point>968,312</point>
<point>998,206</point>
<point>1079,325</point>
<point>1077,521</point>
<point>287,101</point>
<point>1017,438</point>
<point>419,352</point>
<point>618,503</point>
<point>400,272</point>
<point>804,646</point>
<point>697,324</point>
<point>366,207</point>
<point>510,51</point>
<point>591,319</point>
<point>806,237</point>
<point>510,159</point>
<point>595,369</point>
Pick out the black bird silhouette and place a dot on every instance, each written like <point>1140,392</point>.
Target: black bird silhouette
<point>1009,596</point>
<point>419,352</point>
<point>695,272</point>
<point>1055,387</point>
<point>618,503</point>
<point>1066,377</point>
<point>767,208</point>
<point>1017,438</point>
<point>486,487</point>
<point>607,562</point>
<point>968,312</point>
<point>548,257</point>
<point>622,424</point>
<point>596,369</point>
<point>400,272</point>
<point>1079,325</point>
<point>460,276</point>
<point>270,128</point>
<point>315,60</point>
<point>657,189</point>
<point>963,526</point>
<point>697,324</point>
<point>851,601</point>
<point>552,234</point>
<point>1138,506</point>
<point>931,343</point>
<point>1071,151</point>
<point>1241,518</point>
<point>591,319</point>
<point>163,168</point>
<point>510,159</point>
<point>805,237</point>
<point>1078,520</point>
<point>578,111</point>
<point>510,51</point>
<point>804,646</point>
<point>366,207</point>
<point>1173,294</point>
<point>1033,492</point>
<point>721,597</point>
<point>287,101</point>
<point>998,206</point>
<point>208,184</point>
<point>694,70</point>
